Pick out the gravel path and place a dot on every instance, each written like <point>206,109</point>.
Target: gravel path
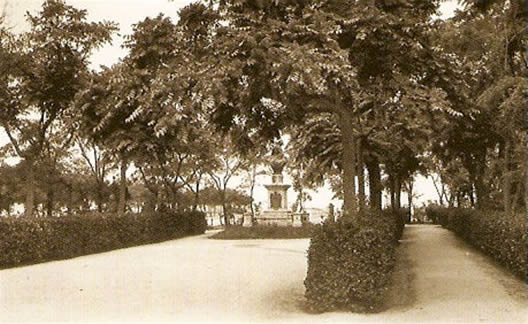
<point>201,280</point>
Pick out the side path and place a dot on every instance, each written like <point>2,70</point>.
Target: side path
<point>455,282</point>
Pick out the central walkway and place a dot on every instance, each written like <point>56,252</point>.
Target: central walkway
<point>440,279</point>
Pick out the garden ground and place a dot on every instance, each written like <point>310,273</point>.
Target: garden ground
<point>438,278</point>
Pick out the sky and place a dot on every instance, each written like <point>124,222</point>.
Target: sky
<point>128,12</point>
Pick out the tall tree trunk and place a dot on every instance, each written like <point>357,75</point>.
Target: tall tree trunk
<point>224,207</point>
<point>349,165</point>
<point>29,204</point>
<point>410,197</point>
<point>481,191</point>
<point>392,187</point>
<point>252,191</point>
<point>471,195</point>
<point>99,195</point>
<point>374,178</point>
<point>397,192</point>
<point>361,176</point>
<point>438,191</point>
<point>197,193</point>
<point>50,197</point>
<point>70,198</point>
<point>122,189</point>
<point>507,177</point>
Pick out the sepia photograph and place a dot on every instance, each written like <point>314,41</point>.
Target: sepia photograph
<point>264,161</point>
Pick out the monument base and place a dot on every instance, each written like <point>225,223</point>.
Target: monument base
<point>275,217</point>
<point>248,222</point>
<point>298,219</point>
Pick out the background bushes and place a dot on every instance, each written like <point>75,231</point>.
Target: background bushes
<point>237,232</point>
<point>25,241</point>
<point>437,214</point>
<point>500,235</point>
<point>350,263</point>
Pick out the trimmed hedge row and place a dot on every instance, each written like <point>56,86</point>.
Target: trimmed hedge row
<point>437,214</point>
<point>501,236</point>
<point>350,263</point>
<point>238,232</point>
<point>27,241</point>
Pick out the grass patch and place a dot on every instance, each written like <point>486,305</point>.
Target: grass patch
<point>265,232</point>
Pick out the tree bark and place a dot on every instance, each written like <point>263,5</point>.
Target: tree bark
<point>50,191</point>
<point>410,198</point>
<point>122,189</point>
<point>361,176</point>
<point>70,198</point>
<point>29,204</point>
<point>471,196</point>
<point>99,195</point>
<point>252,191</point>
<point>392,187</point>
<point>224,207</point>
<point>397,188</point>
<point>197,193</point>
<point>374,178</point>
<point>507,177</point>
<point>50,197</point>
<point>349,165</point>
<point>481,192</point>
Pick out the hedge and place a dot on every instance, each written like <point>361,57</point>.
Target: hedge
<point>238,232</point>
<point>26,241</point>
<point>437,214</point>
<point>499,235</point>
<point>350,263</point>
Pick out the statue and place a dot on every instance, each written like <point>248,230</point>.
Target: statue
<point>277,160</point>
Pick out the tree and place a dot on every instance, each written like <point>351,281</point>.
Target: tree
<point>142,110</point>
<point>47,69</point>
<point>252,170</point>
<point>278,64</point>
<point>229,162</point>
<point>495,63</point>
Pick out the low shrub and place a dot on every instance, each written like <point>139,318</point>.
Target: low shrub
<point>438,214</point>
<point>399,218</point>
<point>26,241</point>
<point>500,235</point>
<point>264,232</point>
<point>350,263</point>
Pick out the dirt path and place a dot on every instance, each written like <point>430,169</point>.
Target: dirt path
<point>201,280</point>
<point>453,282</point>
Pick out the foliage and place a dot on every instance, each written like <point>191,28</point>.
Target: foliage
<point>399,218</point>
<point>437,213</point>
<point>482,152</point>
<point>265,232</point>
<point>25,241</point>
<point>280,65</point>
<point>500,235</point>
<point>44,70</point>
<point>350,264</point>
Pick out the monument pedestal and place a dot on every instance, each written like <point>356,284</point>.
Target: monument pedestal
<point>248,222</point>
<point>297,219</point>
<point>278,213</point>
<point>275,217</point>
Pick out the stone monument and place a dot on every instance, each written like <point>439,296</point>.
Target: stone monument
<point>278,212</point>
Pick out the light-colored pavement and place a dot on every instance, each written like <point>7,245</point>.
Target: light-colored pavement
<point>201,280</point>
